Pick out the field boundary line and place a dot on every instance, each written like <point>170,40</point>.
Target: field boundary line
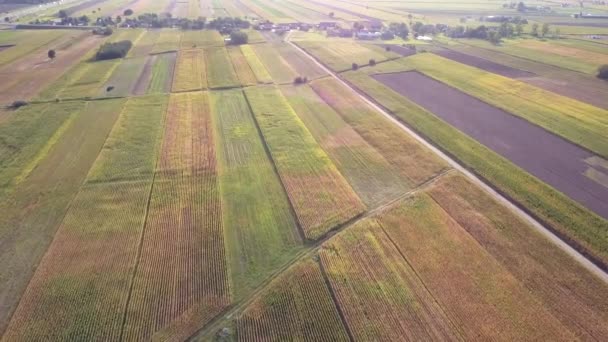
<point>525,58</point>
<point>274,168</point>
<point>454,325</point>
<point>335,301</point>
<point>144,223</point>
<point>309,251</point>
<point>511,205</point>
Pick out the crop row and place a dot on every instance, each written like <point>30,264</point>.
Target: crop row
<point>320,196</point>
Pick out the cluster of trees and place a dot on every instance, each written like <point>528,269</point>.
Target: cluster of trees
<point>426,29</point>
<point>495,34</point>
<point>602,72</point>
<point>227,23</point>
<point>238,37</point>
<point>113,50</point>
<point>399,30</point>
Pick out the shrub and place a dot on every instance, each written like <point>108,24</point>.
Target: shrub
<point>372,62</point>
<point>52,54</point>
<point>355,66</point>
<point>127,12</point>
<point>300,80</point>
<point>113,50</point>
<point>238,38</point>
<point>18,104</point>
<point>388,48</point>
<point>602,72</point>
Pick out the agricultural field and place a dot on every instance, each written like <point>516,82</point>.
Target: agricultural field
<point>303,184</point>
<point>319,194</point>
<point>190,71</point>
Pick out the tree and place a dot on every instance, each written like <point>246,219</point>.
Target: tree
<point>355,66</point>
<point>602,72</point>
<point>519,28</point>
<point>238,37</point>
<point>7,19</point>
<point>494,37</point>
<point>331,14</point>
<point>62,14</point>
<point>545,29</point>
<point>372,62</point>
<point>118,19</point>
<point>127,12</point>
<point>521,7</point>
<point>52,54</point>
<point>534,30</point>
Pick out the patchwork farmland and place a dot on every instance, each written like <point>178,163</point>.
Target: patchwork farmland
<point>263,170</point>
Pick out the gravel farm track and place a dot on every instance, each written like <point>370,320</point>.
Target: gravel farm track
<point>599,272</point>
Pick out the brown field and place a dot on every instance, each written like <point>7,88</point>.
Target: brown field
<point>143,81</point>
<point>27,76</point>
<point>576,85</point>
<point>297,305</point>
<point>379,293</point>
<point>484,64</point>
<point>190,71</point>
<point>407,156</point>
<point>182,267</point>
<point>479,296</point>
<point>569,292</point>
<point>241,66</point>
<point>552,159</point>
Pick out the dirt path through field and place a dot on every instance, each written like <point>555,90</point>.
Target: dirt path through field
<point>513,207</point>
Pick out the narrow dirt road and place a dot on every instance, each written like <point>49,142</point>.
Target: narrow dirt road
<point>534,223</point>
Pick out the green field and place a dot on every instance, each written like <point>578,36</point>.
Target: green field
<point>220,71</point>
<point>261,231</point>
<point>319,194</point>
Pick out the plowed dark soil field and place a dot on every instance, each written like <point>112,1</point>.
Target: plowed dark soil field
<point>570,169</point>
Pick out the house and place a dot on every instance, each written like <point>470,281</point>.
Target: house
<point>324,25</point>
<point>368,35</point>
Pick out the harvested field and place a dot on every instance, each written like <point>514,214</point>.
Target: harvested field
<point>162,73</point>
<point>401,50</point>
<point>144,46</point>
<point>168,41</point>
<point>143,81</point>
<point>578,86</point>
<point>26,42</point>
<point>183,239</point>
<point>339,56</point>
<point>32,213</point>
<point>592,58</point>
<point>528,146</point>
<point>484,64</point>
<point>380,295</point>
<point>297,305</point>
<point>574,223</point>
<point>241,66</point>
<point>481,298</point>
<point>220,72</point>
<point>28,136</point>
<point>125,78</point>
<point>299,62</point>
<point>319,194</point>
<point>261,231</point>
<point>371,176</point>
<point>278,68</point>
<point>576,121</point>
<point>572,294</point>
<point>411,160</point>
<point>260,71</point>
<point>129,153</point>
<point>194,39</point>
<point>190,71</point>
<point>27,76</point>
